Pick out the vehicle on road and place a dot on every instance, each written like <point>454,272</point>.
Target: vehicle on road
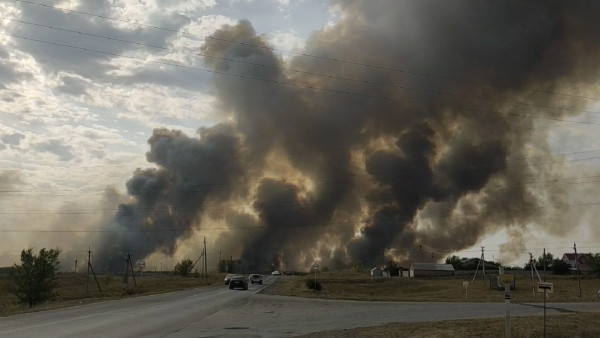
<point>238,282</point>
<point>276,273</point>
<point>228,278</point>
<point>255,278</point>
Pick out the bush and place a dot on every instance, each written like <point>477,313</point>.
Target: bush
<point>560,267</point>
<point>313,285</point>
<point>184,268</point>
<point>35,278</point>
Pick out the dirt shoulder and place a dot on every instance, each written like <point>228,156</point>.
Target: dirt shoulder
<point>568,325</point>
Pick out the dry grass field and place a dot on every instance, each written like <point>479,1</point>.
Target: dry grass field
<point>585,325</point>
<point>359,286</point>
<point>72,289</point>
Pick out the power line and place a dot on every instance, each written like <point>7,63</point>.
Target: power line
<point>316,224</point>
<point>361,81</point>
<point>290,84</point>
<point>332,59</point>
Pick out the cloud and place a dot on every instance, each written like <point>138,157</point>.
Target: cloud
<point>12,139</point>
<point>56,147</point>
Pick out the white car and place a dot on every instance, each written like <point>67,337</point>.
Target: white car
<point>276,273</point>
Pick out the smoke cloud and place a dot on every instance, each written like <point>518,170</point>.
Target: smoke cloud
<point>425,138</point>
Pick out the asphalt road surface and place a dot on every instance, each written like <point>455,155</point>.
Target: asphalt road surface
<point>220,312</point>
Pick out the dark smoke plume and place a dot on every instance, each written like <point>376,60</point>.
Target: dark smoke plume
<point>349,171</point>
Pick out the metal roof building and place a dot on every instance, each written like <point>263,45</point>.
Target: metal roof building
<point>431,270</point>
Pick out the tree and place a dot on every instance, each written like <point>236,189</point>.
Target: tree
<point>456,262</point>
<point>184,267</point>
<point>560,267</point>
<point>357,266</point>
<point>594,262</point>
<point>392,268</point>
<point>544,260</point>
<point>35,278</point>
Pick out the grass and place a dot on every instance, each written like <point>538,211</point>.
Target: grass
<point>568,325</point>
<point>358,286</point>
<point>73,289</point>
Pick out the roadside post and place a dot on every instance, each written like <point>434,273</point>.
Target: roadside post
<point>466,285</point>
<point>546,288</point>
<point>507,302</point>
<point>315,268</point>
<point>142,265</point>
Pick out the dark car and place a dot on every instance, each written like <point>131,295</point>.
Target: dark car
<point>228,278</point>
<point>238,282</point>
<point>255,278</point>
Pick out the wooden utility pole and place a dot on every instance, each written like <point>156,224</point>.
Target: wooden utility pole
<point>87,286</point>
<point>577,267</point>
<point>483,261</point>
<point>544,258</point>
<point>90,267</point>
<point>205,263</point>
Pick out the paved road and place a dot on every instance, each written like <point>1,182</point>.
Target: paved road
<point>220,312</point>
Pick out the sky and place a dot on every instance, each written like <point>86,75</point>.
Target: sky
<point>86,84</point>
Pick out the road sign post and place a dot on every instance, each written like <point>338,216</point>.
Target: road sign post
<point>507,302</point>
<point>545,288</point>
<point>141,264</point>
<point>315,268</point>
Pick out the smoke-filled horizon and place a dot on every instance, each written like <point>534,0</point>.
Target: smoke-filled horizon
<point>433,142</point>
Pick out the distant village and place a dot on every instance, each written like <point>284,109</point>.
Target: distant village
<point>569,263</point>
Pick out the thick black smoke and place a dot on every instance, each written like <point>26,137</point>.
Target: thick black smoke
<point>419,147</point>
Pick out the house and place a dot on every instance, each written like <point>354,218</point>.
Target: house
<point>376,272</point>
<point>582,261</point>
<point>431,270</point>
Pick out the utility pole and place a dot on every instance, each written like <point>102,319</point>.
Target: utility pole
<point>483,261</point>
<point>219,266</point>
<point>90,267</point>
<point>87,286</point>
<point>577,267</point>
<point>544,257</point>
<point>531,266</point>
<point>75,265</point>
<point>420,253</point>
<point>205,263</point>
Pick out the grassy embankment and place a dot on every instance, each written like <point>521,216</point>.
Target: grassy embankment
<point>359,286</point>
<point>356,286</point>
<point>72,291</point>
<point>585,325</point>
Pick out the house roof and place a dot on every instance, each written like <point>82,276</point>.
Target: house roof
<point>432,266</point>
<point>581,257</point>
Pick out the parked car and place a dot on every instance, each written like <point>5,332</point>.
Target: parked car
<point>228,278</point>
<point>238,282</point>
<point>255,278</point>
<point>276,273</point>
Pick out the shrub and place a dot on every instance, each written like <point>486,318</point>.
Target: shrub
<point>35,278</point>
<point>313,285</point>
<point>184,268</point>
<point>560,267</point>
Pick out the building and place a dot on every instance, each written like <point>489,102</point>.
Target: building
<point>431,270</point>
<point>582,261</point>
<point>376,272</point>
<point>472,263</point>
